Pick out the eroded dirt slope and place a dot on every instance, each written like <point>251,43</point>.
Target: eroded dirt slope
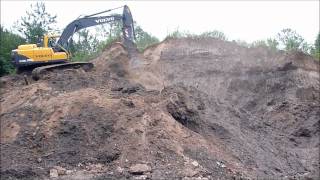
<point>185,108</point>
<point>263,104</point>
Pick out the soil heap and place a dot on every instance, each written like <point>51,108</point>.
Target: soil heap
<point>183,109</point>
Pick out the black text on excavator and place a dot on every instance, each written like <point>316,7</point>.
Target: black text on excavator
<point>55,55</point>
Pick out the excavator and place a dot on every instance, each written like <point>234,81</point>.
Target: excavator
<point>55,54</point>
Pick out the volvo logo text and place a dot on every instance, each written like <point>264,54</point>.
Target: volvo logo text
<point>105,20</point>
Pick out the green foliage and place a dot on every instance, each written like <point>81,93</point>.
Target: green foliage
<point>114,31</point>
<point>89,46</point>
<point>287,39</point>
<point>306,48</point>
<point>208,34</point>
<point>176,34</point>
<point>272,43</point>
<point>291,40</point>
<point>86,46</point>
<point>269,43</point>
<point>259,43</point>
<point>181,34</point>
<point>111,30</point>
<point>317,43</point>
<point>316,50</point>
<point>8,42</point>
<point>144,39</point>
<point>214,34</point>
<point>36,23</point>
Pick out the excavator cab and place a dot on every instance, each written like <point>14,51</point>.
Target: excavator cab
<point>52,41</point>
<point>49,40</point>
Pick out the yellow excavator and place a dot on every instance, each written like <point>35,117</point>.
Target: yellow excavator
<point>55,54</point>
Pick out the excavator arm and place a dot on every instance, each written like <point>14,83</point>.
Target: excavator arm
<point>93,20</point>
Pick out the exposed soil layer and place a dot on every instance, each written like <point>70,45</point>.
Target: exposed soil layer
<point>182,109</point>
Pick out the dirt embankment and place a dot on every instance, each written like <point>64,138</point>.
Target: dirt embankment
<point>185,108</point>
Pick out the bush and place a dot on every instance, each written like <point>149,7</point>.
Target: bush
<point>214,34</point>
<point>144,39</point>
<point>208,34</point>
<point>8,42</point>
<point>316,50</point>
<point>291,40</point>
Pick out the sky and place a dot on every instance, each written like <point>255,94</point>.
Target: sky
<point>239,20</point>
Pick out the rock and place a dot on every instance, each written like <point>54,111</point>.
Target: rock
<point>119,170</point>
<point>139,169</point>
<point>157,174</point>
<point>108,156</point>
<point>141,177</point>
<point>60,170</point>
<point>128,103</point>
<point>96,168</point>
<point>188,172</point>
<point>132,88</point>
<point>116,88</point>
<point>54,173</point>
<point>80,165</point>
<point>195,163</point>
<point>220,164</point>
<point>195,178</point>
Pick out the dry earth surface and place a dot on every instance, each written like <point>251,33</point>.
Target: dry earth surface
<point>183,109</point>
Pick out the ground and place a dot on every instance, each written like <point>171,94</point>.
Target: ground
<point>183,109</point>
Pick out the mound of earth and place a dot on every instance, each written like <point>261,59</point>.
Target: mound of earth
<point>183,109</point>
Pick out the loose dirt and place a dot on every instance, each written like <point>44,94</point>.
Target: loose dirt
<point>183,109</point>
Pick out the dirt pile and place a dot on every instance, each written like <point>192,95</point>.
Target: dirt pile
<point>185,108</point>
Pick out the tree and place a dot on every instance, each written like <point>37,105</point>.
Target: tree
<point>291,40</point>
<point>178,34</point>
<point>208,34</point>
<point>8,42</point>
<point>144,39</point>
<point>272,43</point>
<point>36,23</point>
<point>269,43</point>
<point>317,43</point>
<point>86,47</point>
<point>316,51</point>
<point>89,46</point>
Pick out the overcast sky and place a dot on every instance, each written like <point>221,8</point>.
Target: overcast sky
<point>245,20</point>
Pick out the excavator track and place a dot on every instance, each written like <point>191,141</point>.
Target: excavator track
<point>38,72</point>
